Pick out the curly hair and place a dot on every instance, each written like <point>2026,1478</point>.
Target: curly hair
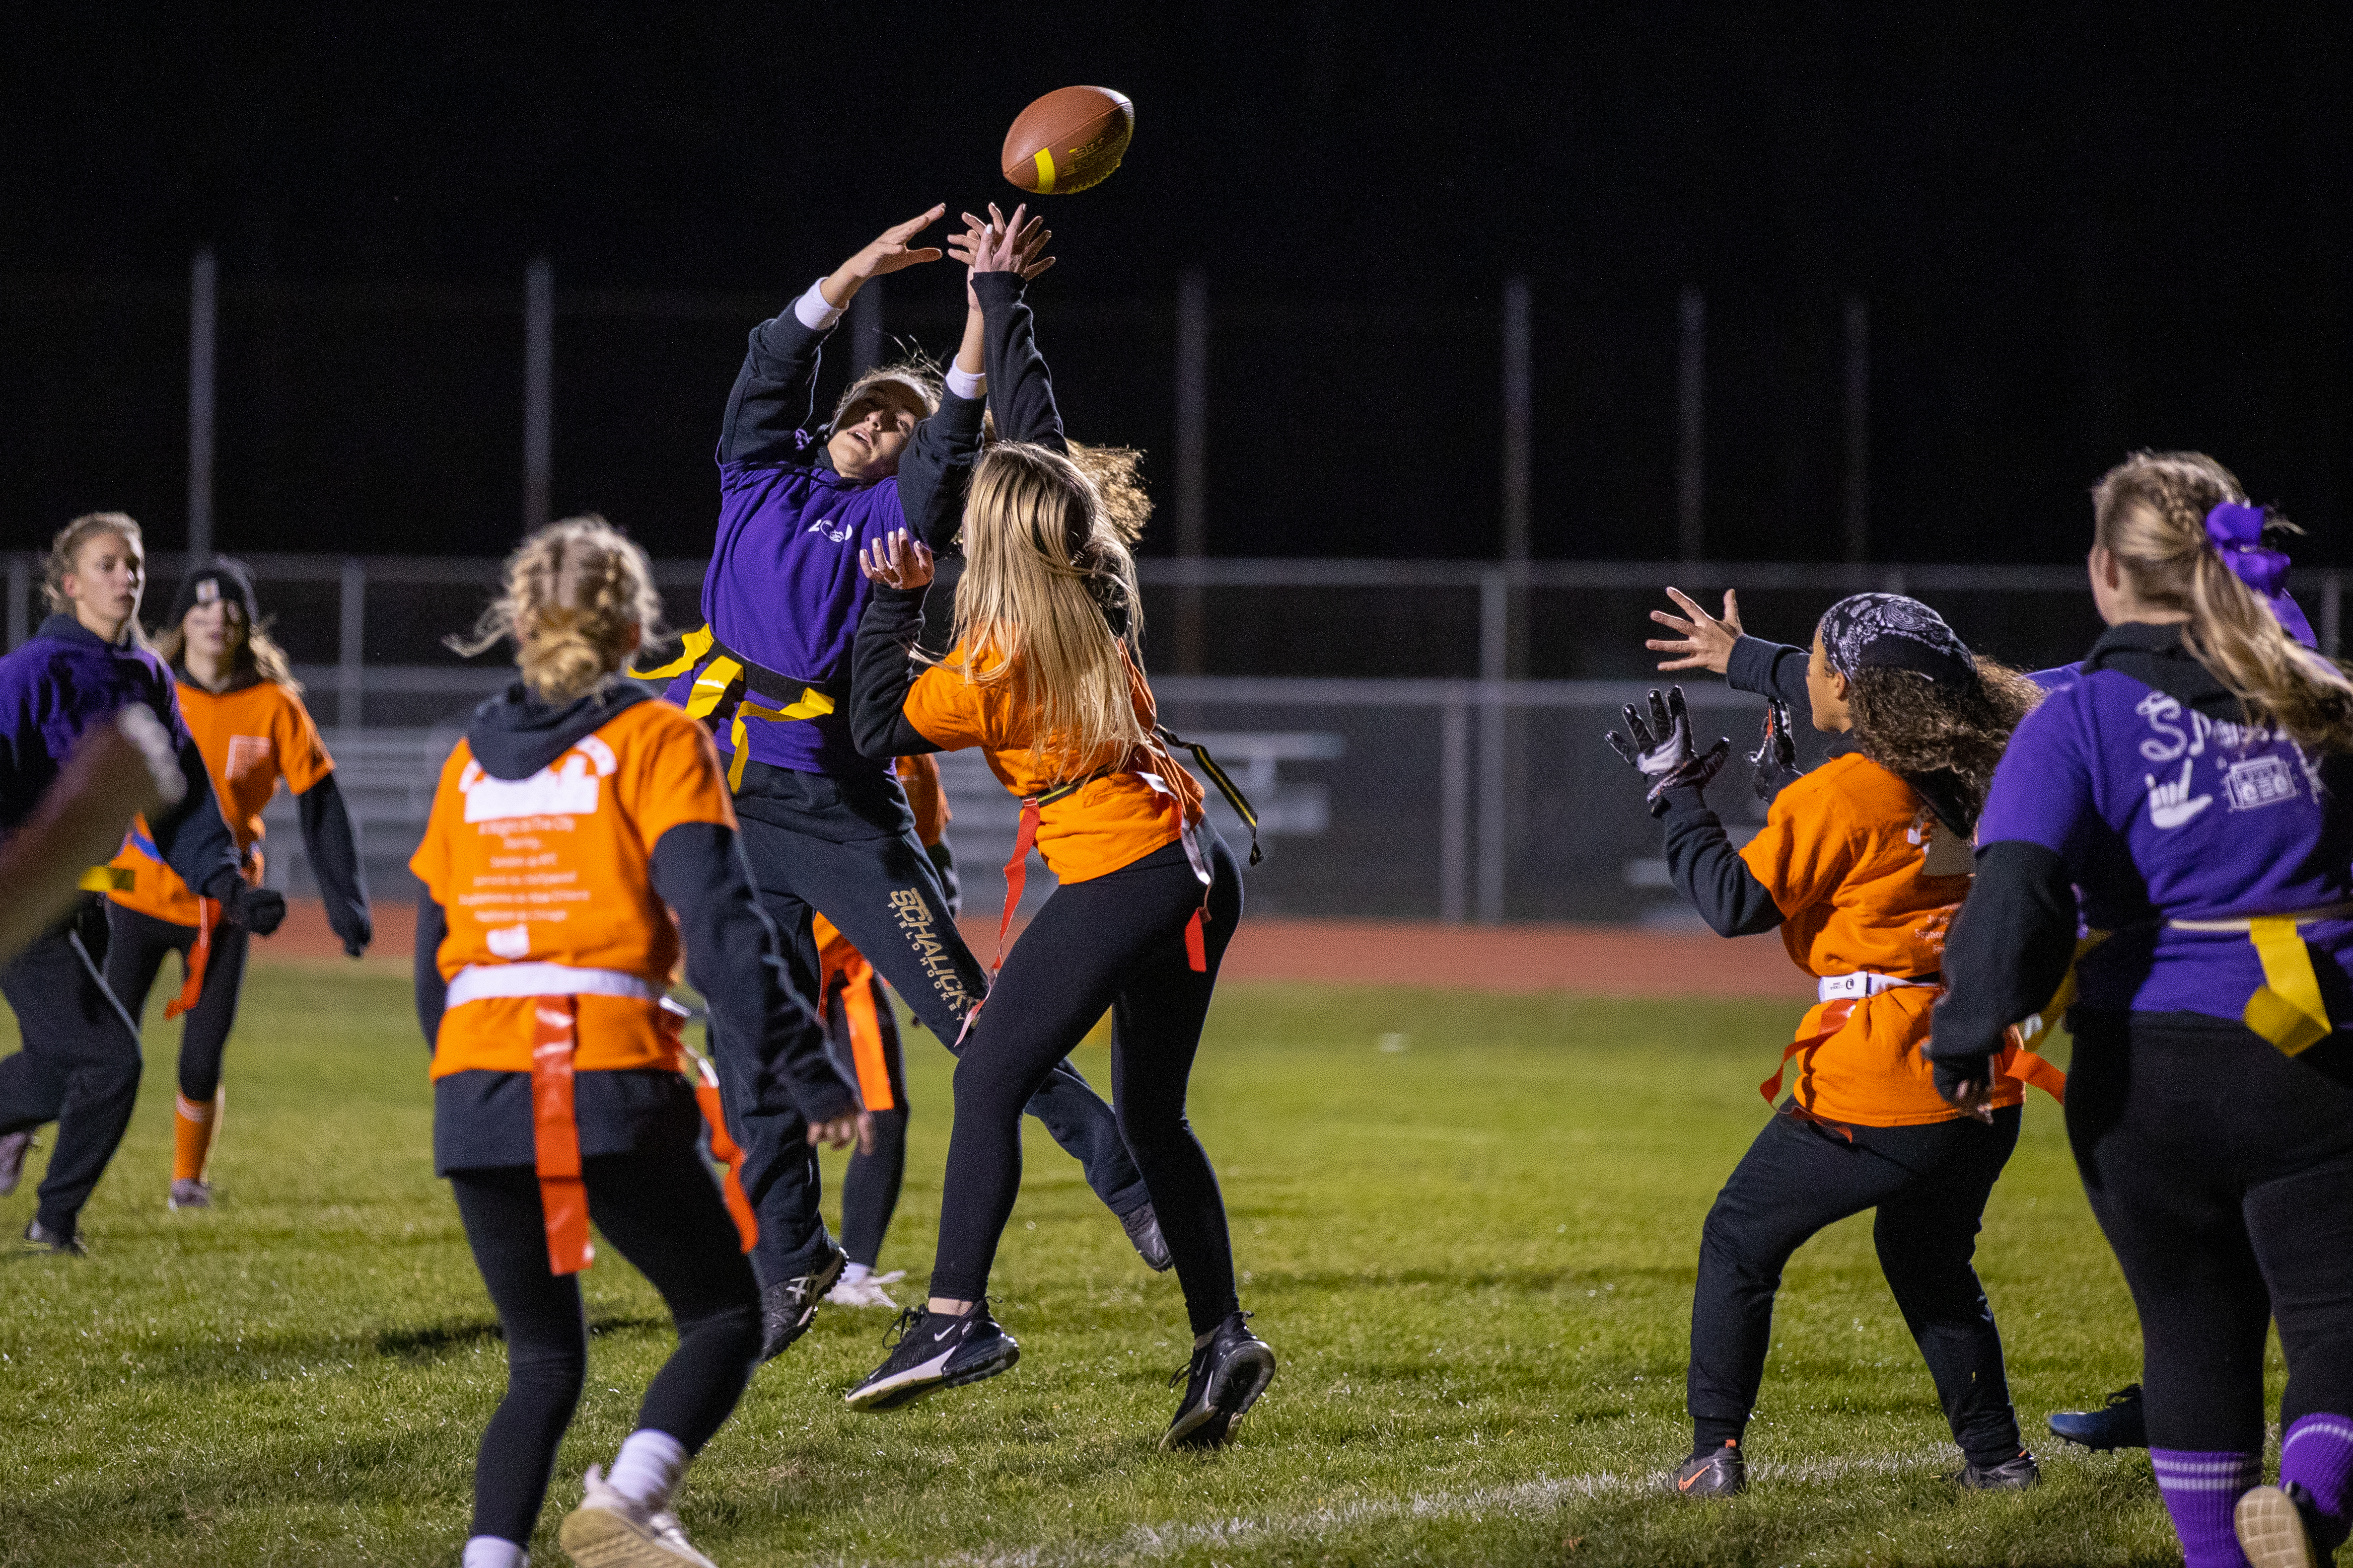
<point>1911,726</point>
<point>579,595</point>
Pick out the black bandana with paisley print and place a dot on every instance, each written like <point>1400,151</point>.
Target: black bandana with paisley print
<point>1889,631</point>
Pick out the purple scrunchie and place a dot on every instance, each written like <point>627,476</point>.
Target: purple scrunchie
<point>2237,531</point>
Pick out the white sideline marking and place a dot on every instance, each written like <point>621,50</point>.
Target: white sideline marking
<point>1522,1498</point>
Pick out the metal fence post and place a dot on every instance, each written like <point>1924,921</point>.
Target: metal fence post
<point>20,589</point>
<point>1858,430</point>
<point>1690,424</point>
<point>351,643</point>
<point>1453,808</point>
<point>1519,424</point>
<point>1494,617</point>
<point>538,389</point>
<point>204,311</point>
<point>1192,462</point>
<point>2332,611</point>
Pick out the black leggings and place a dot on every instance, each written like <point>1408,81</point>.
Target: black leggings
<point>80,1067</point>
<point>1929,1184</point>
<point>661,1209</point>
<point>2221,1173</point>
<point>870,1188</point>
<point>134,955</point>
<point>1117,941</point>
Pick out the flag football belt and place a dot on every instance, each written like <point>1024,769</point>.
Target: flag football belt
<point>555,991</point>
<point>724,678</point>
<point>1840,987</point>
<point>2287,1008</point>
<point>1226,786</point>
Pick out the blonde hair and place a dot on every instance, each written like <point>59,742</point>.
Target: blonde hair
<point>2150,511</point>
<point>257,654</point>
<point>65,553</point>
<point>917,374</point>
<point>579,595</point>
<point>1047,600</point>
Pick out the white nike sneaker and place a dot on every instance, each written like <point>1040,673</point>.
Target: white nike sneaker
<point>611,1530</point>
<point>866,1292</point>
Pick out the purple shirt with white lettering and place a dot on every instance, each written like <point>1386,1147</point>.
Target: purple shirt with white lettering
<point>2161,814</point>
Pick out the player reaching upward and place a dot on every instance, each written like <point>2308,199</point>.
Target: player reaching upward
<point>1861,864</point>
<point>241,703</point>
<point>829,831</point>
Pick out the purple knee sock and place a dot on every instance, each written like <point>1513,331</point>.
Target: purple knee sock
<point>2318,1456</point>
<point>2200,1489</point>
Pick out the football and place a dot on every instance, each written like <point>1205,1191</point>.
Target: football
<point>1069,140</point>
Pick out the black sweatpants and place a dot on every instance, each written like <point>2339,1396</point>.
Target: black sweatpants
<point>80,1067</point>
<point>661,1209</point>
<point>136,944</point>
<point>848,850</point>
<point>2221,1172</point>
<point>870,1187</point>
<point>1118,942</point>
<point>1929,1184</point>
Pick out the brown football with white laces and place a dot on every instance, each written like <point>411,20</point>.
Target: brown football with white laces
<point>1069,140</point>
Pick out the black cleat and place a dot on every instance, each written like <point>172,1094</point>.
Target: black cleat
<point>936,1351</point>
<point>1714,1472</point>
<point>2117,1424</point>
<point>790,1306</point>
<point>12,1149</point>
<point>2011,1476</point>
<point>1143,1229</point>
<point>40,1241</point>
<point>1223,1380</point>
<point>2278,1527</point>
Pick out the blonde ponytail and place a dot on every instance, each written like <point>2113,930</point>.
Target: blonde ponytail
<point>578,597</point>
<point>1046,579</point>
<point>2150,511</point>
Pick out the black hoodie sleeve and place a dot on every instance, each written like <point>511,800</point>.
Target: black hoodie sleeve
<point>334,851</point>
<point>432,991</point>
<point>1709,873</point>
<point>194,837</point>
<point>935,468</point>
<point>775,393</point>
<point>1770,669</point>
<point>2008,950</point>
<point>882,668</point>
<point>1019,389</point>
<point>732,958</point>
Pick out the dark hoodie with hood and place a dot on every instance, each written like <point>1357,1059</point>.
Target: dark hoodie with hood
<point>483,1120</point>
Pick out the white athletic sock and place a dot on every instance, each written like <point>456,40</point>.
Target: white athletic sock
<point>494,1552</point>
<point>851,1273</point>
<point>649,1468</point>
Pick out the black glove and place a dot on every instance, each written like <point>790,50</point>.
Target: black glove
<point>1776,756</point>
<point>259,910</point>
<point>1952,1072</point>
<point>357,931</point>
<point>1663,752</point>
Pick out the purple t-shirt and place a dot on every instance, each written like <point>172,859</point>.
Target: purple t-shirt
<point>783,590</point>
<point>2161,814</point>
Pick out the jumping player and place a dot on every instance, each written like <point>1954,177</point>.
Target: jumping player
<point>829,831</point>
<point>2192,784</point>
<point>1861,864</point>
<point>576,815</point>
<point>81,1061</point>
<point>242,702</point>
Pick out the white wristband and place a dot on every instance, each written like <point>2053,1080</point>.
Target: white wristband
<point>973,385</point>
<point>811,310</point>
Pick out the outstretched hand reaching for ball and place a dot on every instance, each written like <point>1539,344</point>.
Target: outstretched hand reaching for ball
<point>896,561</point>
<point>993,238</point>
<point>1706,642</point>
<point>889,252</point>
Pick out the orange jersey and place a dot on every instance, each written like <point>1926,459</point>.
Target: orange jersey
<point>250,739</point>
<point>1109,822</point>
<point>1844,852</point>
<point>555,868</point>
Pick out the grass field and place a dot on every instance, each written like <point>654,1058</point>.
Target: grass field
<point>1466,1223</point>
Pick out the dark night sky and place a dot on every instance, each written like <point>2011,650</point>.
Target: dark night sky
<point>2080,231</point>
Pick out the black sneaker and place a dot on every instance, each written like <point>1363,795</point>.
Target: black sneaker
<point>2118,1423</point>
<point>1714,1472</point>
<point>1143,1229</point>
<point>1223,1380</point>
<point>12,1149</point>
<point>790,1306</point>
<point>40,1241</point>
<point>936,1351</point>
<point>2278,1527</point>
<point>2016,1475</point>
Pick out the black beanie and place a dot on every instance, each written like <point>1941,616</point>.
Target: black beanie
<point>221,578</point>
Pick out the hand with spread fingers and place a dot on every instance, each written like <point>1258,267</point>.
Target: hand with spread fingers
<point>1776,756</point>
<point>896,561</point>
<point>1662,750</point>
<point>1706,642</point>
